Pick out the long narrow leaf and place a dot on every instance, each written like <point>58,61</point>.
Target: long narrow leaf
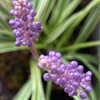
<point>80,46</point>
<point>4,24</point>
<point>38,93</point>
<point>48,90</point>
<point>60,29</point>
<point>6,32</point>
<point>68,10</point>
<point>89,25</point>
<point>25,92</point>
<point>9,47</point>
<point>4,11</point>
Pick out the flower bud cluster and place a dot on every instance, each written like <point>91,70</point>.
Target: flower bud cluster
<point>69,77</point>
<point>25,31</point>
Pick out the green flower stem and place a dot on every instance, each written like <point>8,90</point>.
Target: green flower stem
<point>34,52</point>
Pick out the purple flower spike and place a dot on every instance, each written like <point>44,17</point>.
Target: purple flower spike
<point>24,18</point>
<point>69,77</point>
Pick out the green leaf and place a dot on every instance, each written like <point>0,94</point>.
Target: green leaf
<point>57,12</point>
<point>41,9</point>
<point>68,10</point>
<point>80,46</point>
<point>4,24</point>
<point>25,92</point>
<point>6,32</point>
<point>9,47</point>
<point>48,11</point>
<point>61,28</point>
<point>48,90</point>
<point>97,90</point>
<point>37,87</point>
<point>68,33</point>
<point>90,58</point>
<point>90,23</point>
<point>5,11</point>
<point>92,94</point>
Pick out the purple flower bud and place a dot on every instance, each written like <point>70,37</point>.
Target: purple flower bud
<point>83,95</point>
<point>31,34</point>
<point>46,76</point>
<point>54,59</point>
<point>27,27</point>
<point>89,73</point>
<point>59,61</point>
<point>58,55</point>
<point>39,65</point>
<point>24,9</point>
<point>88,88</point>
<point>29,5</point>
<point>37,24</point>
<point>53,68</point>
<point>42,56</point>
<point>63,80</point>
<point>12,22</point>
<point>40,29</point>
<point>54,77</point>
<point>32,13</point>
<point>17,43</point>
<point>24,18</point>
<point>80,68</point>
<point>63,85</point>
<point>74,64</point>
<point>69,66</point>
<point>31,19</point>
<point>75,84</point>
<point>19,38</point>
<point>18,24</point>
<point>88,78</point>
<point>75,92</point>
<point>63,66</point>
<point>15,13</point>
<point>71,94</point>
<point>18,33</point>
<point>52,53</point>
<point>68,89</point>
<point>33,28</point>
<point>58,81</point>
<point>12,12</point>
<point>76,75</point>
<point>60,70</point>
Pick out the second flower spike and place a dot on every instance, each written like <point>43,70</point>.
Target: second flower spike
<point>70,77</point>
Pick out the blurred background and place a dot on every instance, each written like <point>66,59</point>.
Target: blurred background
<point>69,26</point>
